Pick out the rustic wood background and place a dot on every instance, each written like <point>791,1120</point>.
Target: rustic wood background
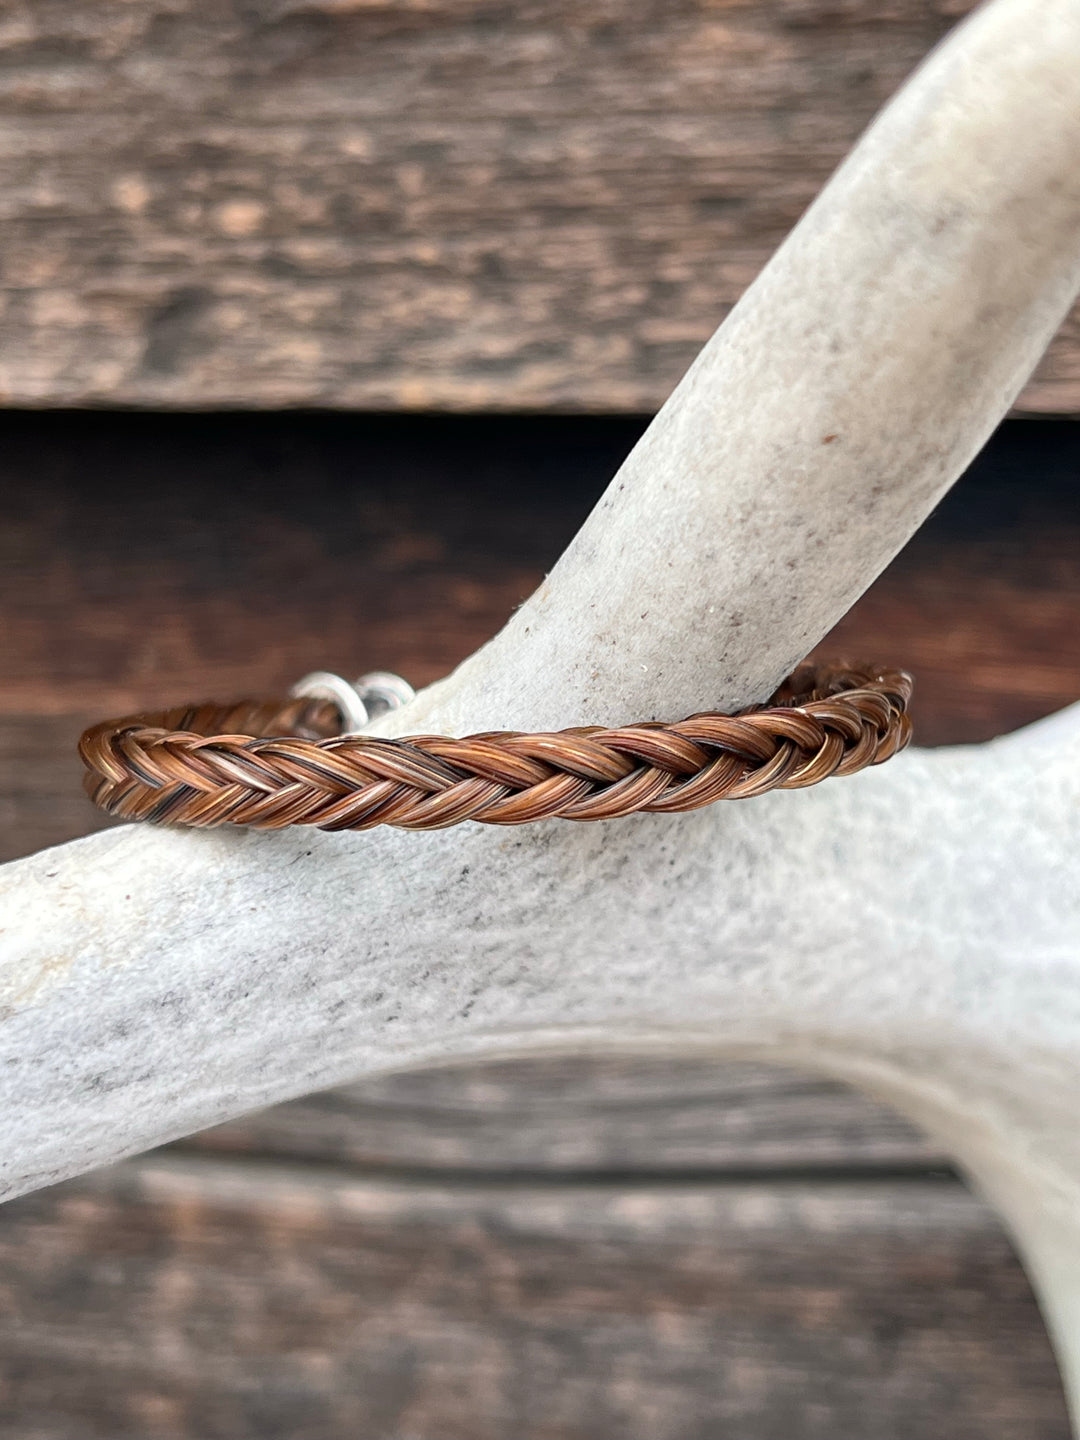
<point>450,204</point>
<point>562,1248</point>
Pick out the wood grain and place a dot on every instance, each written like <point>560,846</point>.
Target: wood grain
<point>570,1116</point>
<point>151,559</point>
<point>452,204</point>
<point>169,1299</point>
<point>147,559</point>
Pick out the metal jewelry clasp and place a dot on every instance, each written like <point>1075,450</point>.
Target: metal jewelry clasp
<point>359,703</point>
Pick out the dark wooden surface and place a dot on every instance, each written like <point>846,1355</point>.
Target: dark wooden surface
<point>172,1298</point>
<point>555,1248</point>
<point>586,1116</point>
<point>144,559</point>
<point>454,204</point>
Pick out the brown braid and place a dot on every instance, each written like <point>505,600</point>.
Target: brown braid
<point>273,763</point>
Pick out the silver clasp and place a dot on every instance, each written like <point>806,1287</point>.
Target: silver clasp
<point>359,703</point>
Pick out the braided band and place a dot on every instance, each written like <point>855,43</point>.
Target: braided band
<point>274,763</point>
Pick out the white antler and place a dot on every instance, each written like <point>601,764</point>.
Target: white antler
<point>845,393</point>
<point>915,929</point>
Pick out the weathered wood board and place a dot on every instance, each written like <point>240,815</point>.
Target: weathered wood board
<point>169,1298</point>
<point>429,204</point>
<point>582,1116</point>
<point>145,558</point>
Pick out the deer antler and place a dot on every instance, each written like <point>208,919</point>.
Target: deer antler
<point>915,929</point>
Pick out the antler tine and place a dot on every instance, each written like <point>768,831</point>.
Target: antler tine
<point>848,389</point>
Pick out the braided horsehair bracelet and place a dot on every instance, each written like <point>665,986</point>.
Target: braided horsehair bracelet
<point>297,761</point>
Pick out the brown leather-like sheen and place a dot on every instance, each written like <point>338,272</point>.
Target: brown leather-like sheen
<point>273,763</point>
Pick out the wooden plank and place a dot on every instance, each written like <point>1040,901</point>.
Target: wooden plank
<point>620,1114</point>
<point>41,796</point>
<point>168,1298</point>
<point>431,204</point>
<point>148,559</point>
<point>147,556</point>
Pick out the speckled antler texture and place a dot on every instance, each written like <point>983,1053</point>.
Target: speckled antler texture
<point>915,929</point>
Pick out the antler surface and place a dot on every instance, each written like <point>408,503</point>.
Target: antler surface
<point>914,929</point>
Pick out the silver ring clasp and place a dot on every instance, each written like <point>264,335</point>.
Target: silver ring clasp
<point>358,704</point>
